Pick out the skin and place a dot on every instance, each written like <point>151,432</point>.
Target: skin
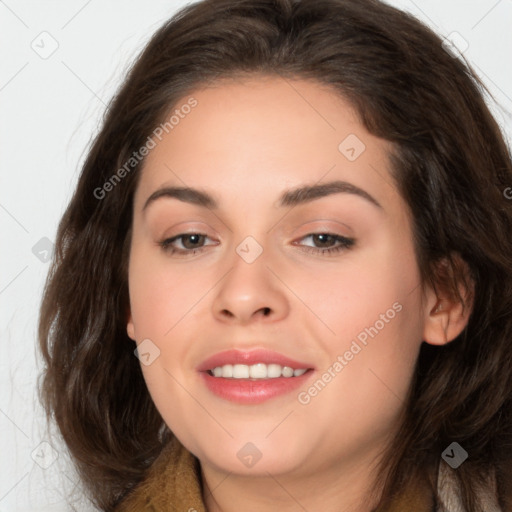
<point>245,143</point>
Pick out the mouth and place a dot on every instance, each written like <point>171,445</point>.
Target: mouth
<point>256,371</point>
<point>252,377</point>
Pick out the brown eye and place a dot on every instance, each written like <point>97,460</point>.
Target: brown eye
<point>327,243</point>
<point>184,243</point>
<point>192,241</point>
<point>324,240</point>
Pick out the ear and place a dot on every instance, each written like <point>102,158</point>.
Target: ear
<point>446,313</point>
<point>130,328</point>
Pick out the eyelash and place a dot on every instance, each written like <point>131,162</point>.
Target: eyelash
<point>345,243</point>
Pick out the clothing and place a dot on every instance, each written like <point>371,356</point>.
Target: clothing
<point>174,485</point>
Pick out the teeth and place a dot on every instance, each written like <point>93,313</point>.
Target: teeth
<point>240,371</point>
<point>274,371</point>
<point>227,370</point>
<point>256,371</point>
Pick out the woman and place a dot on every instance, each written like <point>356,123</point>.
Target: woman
<point>295,214</point>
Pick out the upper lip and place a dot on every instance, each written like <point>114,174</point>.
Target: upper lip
<point>249,357</point>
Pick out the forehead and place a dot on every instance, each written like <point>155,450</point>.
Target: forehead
<point>258,135</point>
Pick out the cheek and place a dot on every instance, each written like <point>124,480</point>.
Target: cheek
<point>363,386</point>
<point>160,294</point>
<point>374,314</point>
<point>353,295</point>
<point>161,302</point>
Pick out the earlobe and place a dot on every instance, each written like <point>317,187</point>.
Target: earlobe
<point>130,328</point>
<point>445,321</point>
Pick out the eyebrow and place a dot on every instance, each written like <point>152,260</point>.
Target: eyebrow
<point>291,197</point>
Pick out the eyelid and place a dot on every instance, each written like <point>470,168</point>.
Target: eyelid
<point>328,226</point>
<point>183,227</point>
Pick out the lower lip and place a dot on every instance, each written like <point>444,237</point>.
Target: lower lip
<point>257,391</point>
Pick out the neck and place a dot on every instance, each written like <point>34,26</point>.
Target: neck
<point>331,489</point>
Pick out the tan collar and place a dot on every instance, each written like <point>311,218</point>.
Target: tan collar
<point>174,485</point>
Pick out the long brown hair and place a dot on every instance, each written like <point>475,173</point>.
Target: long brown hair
<point>450,163</point>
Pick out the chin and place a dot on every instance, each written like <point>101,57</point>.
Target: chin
<point>256,458</point>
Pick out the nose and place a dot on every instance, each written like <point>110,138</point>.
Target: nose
<point>250,292</point>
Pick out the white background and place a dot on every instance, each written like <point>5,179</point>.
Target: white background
<point>50,109</point>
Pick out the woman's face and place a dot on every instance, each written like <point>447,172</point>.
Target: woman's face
<point>281,171</point>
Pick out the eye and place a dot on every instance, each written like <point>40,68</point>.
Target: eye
<point>191,243</point>
<point>329,243</point>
